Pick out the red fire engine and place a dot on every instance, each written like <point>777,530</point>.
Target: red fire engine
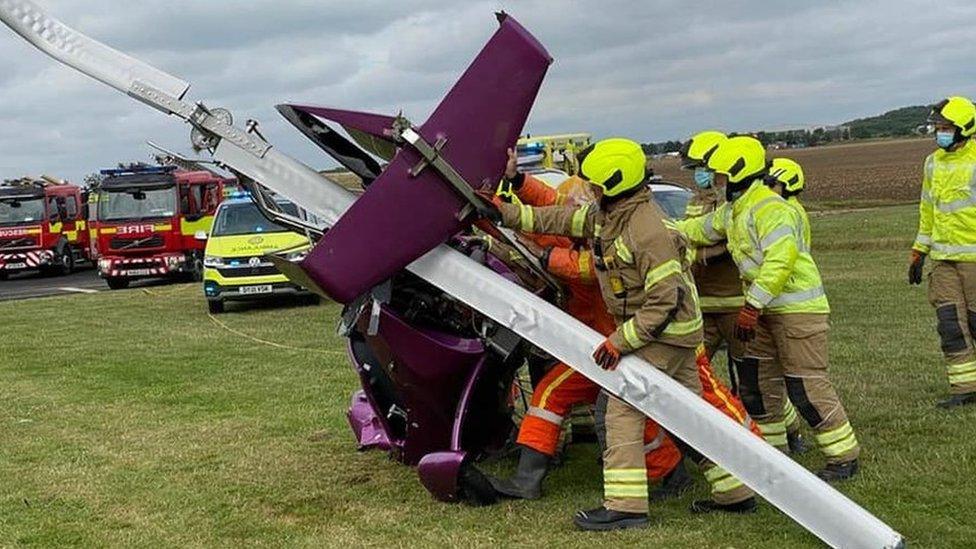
<point>153,222</point>
<point>42,226</point>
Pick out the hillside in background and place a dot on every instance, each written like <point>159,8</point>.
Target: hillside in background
<point>902,122</point>
<point>899,122</point>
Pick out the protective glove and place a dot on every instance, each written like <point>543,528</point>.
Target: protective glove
<point>915,268</point>
<point>607,356</point>
<point>544,258</point>
<point>745,324</point>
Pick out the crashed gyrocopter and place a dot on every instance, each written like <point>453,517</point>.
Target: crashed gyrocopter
<point>434,329</point>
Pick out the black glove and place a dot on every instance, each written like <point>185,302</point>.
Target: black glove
<point>544,258</point>
<point>915,268</point>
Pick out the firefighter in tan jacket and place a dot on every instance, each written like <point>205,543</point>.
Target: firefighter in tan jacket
<point>644,277</point>
<point>720,291</point>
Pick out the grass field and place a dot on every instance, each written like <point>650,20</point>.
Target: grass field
<point>140,422</point>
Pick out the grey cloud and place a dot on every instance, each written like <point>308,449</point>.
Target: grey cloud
<point>649,70</point>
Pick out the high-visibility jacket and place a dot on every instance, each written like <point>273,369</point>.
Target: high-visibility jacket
<point>947,210</point>
<point>642,266</point>
<point>804,218</point>
<point>765,236</point>
<point>715,273</point>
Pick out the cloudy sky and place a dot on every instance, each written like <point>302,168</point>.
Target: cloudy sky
<point>647,70</point>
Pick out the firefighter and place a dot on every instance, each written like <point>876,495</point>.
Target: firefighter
<point>947,233</point>
<point>786,179</point>
<point>784,320</point>
<point>562,388</point>
<point>644,277</point>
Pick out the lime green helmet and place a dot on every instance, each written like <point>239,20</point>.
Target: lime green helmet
<point>695,152</point>
<point>787,172</point>
<point>741,158</point>
<point>957,111</point>
<point>615,165</point>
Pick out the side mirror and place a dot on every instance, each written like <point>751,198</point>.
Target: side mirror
<point>200,235</point>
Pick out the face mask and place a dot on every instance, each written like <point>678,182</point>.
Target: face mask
<point>703,178</point>
<point>945,139</point>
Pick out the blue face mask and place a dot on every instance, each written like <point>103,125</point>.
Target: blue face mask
<point>945,139</point>
<point>704,178</point>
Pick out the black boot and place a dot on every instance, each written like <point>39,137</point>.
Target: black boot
<point>957,400</point>
<point>798,444</point>
<point>675,483</point>
<point>834,472</point>
<point>702,506</point>
<point>526,483</point>
<point>602,519</point>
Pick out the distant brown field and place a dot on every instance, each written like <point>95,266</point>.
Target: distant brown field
<point>866,172</point>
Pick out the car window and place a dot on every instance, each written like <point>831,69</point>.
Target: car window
<point>673,202</point>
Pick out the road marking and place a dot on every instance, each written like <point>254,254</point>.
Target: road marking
<point>78,290</point>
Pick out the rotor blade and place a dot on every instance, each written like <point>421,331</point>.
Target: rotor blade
<point>76,50</point>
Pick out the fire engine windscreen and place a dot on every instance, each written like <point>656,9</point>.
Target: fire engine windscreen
<point>136,204</point>
<point>245,218</point>
<point>17,211</point>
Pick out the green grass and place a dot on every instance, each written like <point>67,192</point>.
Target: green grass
<point>128,418</point>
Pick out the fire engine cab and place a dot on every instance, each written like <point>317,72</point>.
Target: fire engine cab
<point>42,226</point>
<point>153,222</point>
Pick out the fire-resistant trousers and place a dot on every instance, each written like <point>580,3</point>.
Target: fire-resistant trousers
<point>624,478</point>
<point>719,327</point>
<point>791,349</point>
<point>952,291</point>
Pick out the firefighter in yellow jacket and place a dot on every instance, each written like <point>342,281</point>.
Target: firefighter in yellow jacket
<point>947,234</point>
<point>720,290</point>
<point>643,274</point>
<point>784,320</point>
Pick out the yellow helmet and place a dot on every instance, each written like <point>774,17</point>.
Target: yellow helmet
<point>741,158</point>
<point>616,165</point>
<point>695,152</point>
<point>787,172</point>
<point>957,111</point>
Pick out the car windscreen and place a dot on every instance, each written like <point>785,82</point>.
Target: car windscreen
<point>672,202</point>
<point>245,218</point>
<point>136,204</point>
<point>18,211</point>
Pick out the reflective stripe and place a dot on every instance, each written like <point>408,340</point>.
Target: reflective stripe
<point>694,210</point>
<point>961,373</point>
<point>623,252</point>
<point>789,413</point>
<point>757,295</point>
<point>923,239</point>
<point>630,335</point>
<point>837,442</point>
<point>962,203</point>
<point>596,229</point>
<point>774,236</point>
<point>579,221</point>
<point>797,297</point>
<point>683,328</point>
<point>613,490</point>
<point>774,433</point>
<point>721,480</point>
<point>662,271</point>
<point>656,443</point>
<point>710,302</point>
<point>526,218</point>
<point>584,261</point>
<point>545,415</point>
<point>710,232</point>
<point>929,167</point>
<point>552,386</point>
<point>625,475</point>
<point>926,196</point>
<point>950,249</point>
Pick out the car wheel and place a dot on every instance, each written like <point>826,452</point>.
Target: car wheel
<point>116,283</point>
<point>67,261</point>
<point>215,307</point>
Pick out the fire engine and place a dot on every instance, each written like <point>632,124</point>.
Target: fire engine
<point>153,222</point>
<point>42,226</point>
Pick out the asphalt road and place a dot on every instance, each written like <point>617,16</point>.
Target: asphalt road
<point>33,284</point>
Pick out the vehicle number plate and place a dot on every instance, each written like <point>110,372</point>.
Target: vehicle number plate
<point>137,272</point>
<point>16,265</point>
<point>250,290</point>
